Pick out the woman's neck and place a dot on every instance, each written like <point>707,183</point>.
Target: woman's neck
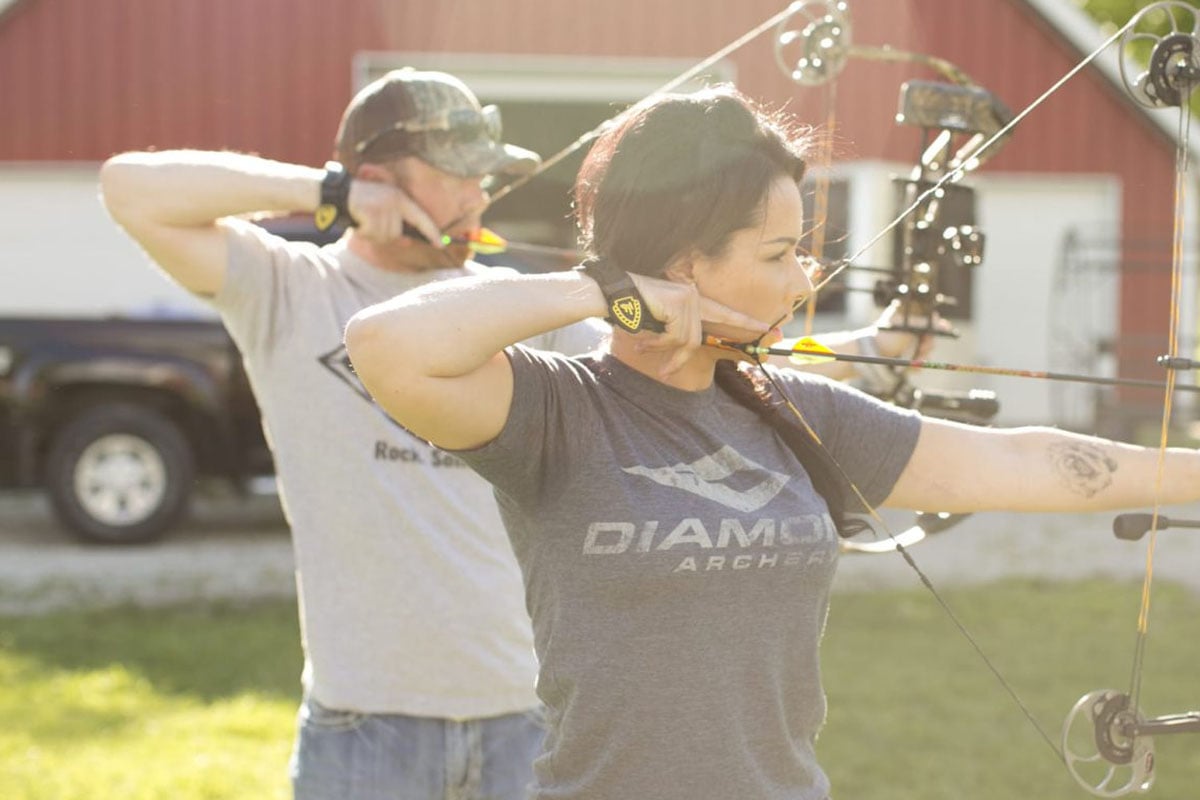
<point>695,375</point>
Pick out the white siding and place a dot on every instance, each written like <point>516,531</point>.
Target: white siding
<point>64,256</point>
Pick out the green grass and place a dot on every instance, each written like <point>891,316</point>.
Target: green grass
<point>914,713</point>
<point>191,704</point>
<point>148,704</point>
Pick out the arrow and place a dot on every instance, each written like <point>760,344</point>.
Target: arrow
<point>809,351</point>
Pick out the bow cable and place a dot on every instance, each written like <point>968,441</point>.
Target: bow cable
<point>821,195</point>
<point>669,86</point>
<point>873,512</point>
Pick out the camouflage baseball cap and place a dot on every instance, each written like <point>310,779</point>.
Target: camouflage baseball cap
<point>431,115</point>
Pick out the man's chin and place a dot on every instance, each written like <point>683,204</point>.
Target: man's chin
<point>422,256</point>
<point>459,254</point>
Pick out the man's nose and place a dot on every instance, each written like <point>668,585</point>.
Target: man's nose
<point>473,193</point>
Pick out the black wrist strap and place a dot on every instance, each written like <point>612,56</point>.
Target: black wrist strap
<point>335,194</point>
<point>626,308</point>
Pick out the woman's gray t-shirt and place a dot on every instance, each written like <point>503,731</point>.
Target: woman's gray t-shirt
<point>677,567</point>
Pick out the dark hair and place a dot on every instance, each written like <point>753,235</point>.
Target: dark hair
<point>682,173</point>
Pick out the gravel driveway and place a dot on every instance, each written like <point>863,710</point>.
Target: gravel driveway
<point>230,549</point>
<point>237,549</point>
<point>991,546</point>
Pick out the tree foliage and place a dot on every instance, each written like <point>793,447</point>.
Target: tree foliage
<point>1112,14</point>
<point>1117,12</point>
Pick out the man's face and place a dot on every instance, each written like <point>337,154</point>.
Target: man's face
<point>454,204</point>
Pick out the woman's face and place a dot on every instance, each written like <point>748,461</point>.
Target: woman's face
<point>760,273</point>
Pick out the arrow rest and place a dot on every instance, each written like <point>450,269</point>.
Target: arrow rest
<point>1170,31</point>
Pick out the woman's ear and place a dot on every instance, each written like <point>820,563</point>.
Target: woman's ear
<point>682,269</point>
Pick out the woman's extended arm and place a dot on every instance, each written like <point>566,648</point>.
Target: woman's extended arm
<point>960,468</point>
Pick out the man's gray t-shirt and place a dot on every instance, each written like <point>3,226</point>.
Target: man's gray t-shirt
<point>677,565</point>
<point>410,597</point>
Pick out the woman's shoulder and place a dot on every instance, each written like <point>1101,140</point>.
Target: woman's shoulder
<point>823,393</point>
<point>586,367</point>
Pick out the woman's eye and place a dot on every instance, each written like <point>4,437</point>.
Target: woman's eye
<point>811,266</point>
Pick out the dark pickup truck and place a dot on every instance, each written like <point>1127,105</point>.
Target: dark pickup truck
<point>117,419</point>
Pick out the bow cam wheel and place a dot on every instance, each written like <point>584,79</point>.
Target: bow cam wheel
<point>813,42</point>
<point>1166,37</point>
<point>1101,748</point>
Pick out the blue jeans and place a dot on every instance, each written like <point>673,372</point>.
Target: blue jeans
<point>345,755</point>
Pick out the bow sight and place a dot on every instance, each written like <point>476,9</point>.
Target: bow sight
<point>937,241</point>
<point>940,239</point>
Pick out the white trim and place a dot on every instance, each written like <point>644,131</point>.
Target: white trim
<point>546,78</point>
<point>52,169</point>
<point>1081,32</point>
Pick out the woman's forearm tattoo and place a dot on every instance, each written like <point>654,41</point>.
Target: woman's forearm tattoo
<point>1083,468</point>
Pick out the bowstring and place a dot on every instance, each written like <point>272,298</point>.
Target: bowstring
<point>1181,170</point>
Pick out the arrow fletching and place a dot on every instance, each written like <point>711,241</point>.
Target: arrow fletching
<point>483,241</point>
<point>809,351</point>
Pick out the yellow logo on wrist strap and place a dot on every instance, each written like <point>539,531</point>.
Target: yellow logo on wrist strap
<point>325,216</point>
<point>627,311</point>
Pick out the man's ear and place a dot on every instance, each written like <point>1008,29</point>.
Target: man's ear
<point>376,173</point>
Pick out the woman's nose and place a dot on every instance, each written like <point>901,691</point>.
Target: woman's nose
<point>802,283</point>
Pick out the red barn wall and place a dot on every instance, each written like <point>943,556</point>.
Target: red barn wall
<point>87,78</point>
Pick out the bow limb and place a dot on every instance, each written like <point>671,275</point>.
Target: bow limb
<point>1120,738</point>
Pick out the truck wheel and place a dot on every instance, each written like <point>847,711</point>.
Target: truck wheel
<point>120,473</point>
